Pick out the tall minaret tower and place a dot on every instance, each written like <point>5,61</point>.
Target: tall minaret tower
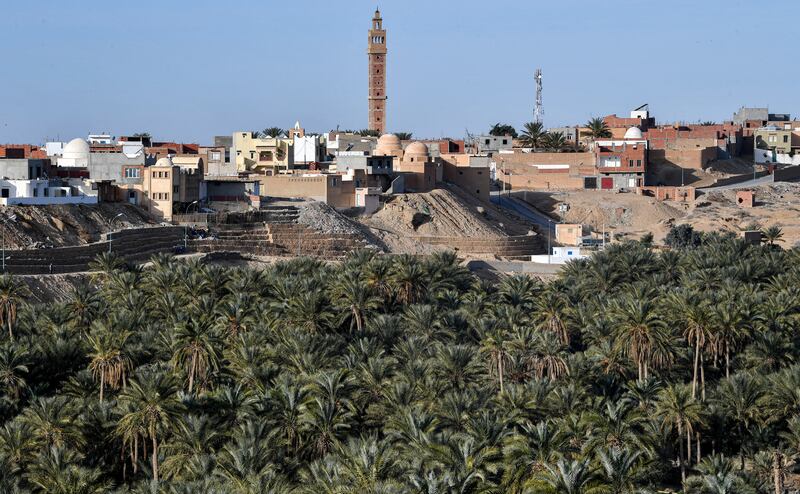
<point>376,52</point>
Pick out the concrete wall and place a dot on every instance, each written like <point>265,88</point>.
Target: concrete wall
<point>472,179</point>
<point>330,189</point>
<point>109,166</point>
<point>22,169</point>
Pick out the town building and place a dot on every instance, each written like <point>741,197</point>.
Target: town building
<point>620,163</point>
<point>489,144</point>
<point>262,155</point>
<point>376,54</point>
<point>781,140</point>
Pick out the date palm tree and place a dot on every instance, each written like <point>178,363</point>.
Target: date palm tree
<point>13,369</point>
<point>679,411</point>
<point>12,294</point>
<point>598,128</point>
<point>555,141</point>
<point>740,398</point>
<point>273,132</point>
<point>149,410</point>
<point>533,135</point>
<point>110,362</point>
<point>641,334</point>
<point>571,477</point>
<point>353,295</point>
<point>196,350</point>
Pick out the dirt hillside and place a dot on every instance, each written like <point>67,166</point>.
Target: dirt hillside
<point>75,224</point>
<point>632,215</point>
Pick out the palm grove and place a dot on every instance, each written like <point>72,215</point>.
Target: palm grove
<point>630,372</point>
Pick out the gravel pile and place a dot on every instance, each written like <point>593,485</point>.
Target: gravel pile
<point>322,217</point>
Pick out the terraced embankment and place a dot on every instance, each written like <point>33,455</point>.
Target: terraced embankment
<point>131,245</point>
<point>277,231</point>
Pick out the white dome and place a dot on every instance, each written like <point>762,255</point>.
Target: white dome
<point>76,149</point>
<point>164,162</point>
<point>634,133</point>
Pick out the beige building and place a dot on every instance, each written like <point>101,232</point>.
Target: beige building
<point>165,186</point>
<point>569,234</point>
<point>781,140</point>
<point>263,155</point>
<point>330,189</point>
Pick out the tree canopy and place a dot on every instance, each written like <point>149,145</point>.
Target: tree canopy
<point>633,371</point>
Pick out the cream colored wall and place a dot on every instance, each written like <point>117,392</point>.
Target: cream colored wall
<point>247,149</point>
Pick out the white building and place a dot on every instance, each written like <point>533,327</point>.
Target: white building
<point>306,149</point>
<point>45,192</point>
<point>100,139</point>
<point>74,155</point>
<point>559,255</point>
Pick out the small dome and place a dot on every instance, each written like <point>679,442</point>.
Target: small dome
<point>388,140</point>
<point>388,145</point>
<point>76,149</point>
<point>633,133</point>
<point>164,162</point>
<point>417,149</point>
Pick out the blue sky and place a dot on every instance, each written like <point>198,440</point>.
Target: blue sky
<point>188,70</point>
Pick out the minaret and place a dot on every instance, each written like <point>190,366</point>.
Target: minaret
<point>376,52</point>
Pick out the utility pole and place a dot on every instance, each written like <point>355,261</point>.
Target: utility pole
<point>549,229</point>
<point>538,110</point>
<point>111,224</point>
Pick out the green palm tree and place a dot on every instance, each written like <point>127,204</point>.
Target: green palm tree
<point>622,470</point>
<point>740,398</point>
<point>571,477</point>
<point>110,362</point>
<point>272,132</point>
<point>598,128</point>
<point>679,411</point>
<point>149,410</point>
<point>772,234</point>
<point>555,141</point>
<point>533,135</point>
<point>13,369</point>
<point>12,294</point>
<point>353,295</point>
<point>641,334</point>
<point>196,350</point>
<point>495,347</point>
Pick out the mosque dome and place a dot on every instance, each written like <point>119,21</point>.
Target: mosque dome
<point>634,133</point>
<point>76,149</point>
<point>164,162</point>
<point>388,145</point>
<point>417,149</point>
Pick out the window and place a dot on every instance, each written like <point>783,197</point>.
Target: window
<point>35,192</point>
<point>773,138</point>
<point>175,189</point>
<point>505,141</point>
<point>4,193</point>
<point>630,163</point>
<point>638,163</point>
<point>214,156</point>
<point>785,139</point>
<point>487,142</point>
<point>154,174</point>
<point>131,195</point>
<point>132,173</point>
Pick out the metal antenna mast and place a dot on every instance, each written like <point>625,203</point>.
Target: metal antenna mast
<point>538,111</point>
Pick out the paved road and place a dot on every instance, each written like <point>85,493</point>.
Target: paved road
<point>766,179</point>
<point>525,210</point>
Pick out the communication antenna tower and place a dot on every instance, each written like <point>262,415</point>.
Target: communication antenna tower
<point>538,111</point>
